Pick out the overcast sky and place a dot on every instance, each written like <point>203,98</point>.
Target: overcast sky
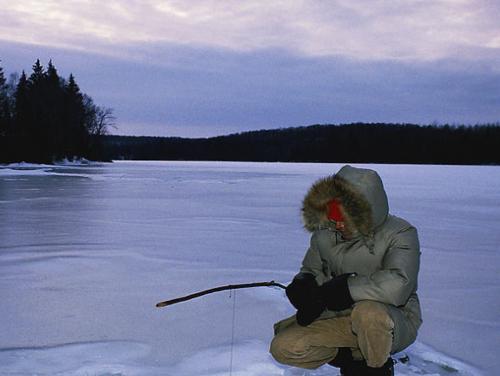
<point>201,68</point>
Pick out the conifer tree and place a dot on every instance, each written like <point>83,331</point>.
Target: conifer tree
<point>4,105</point>
<point>38,118</point>
<point>75,118</point>
<point>52,76</point>
<point>21,100</point>
<point>38,75</point>
<point>21,128</point>
<point>5,116</point>
<point>2,77</point>
<point>54,109</point>
<point>50,118</point>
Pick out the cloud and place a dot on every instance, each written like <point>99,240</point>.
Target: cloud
<point>202,68</point>
<point>210,92</point>
<point>414,30</point>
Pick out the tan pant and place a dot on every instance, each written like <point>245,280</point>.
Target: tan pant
<point>373,331</point>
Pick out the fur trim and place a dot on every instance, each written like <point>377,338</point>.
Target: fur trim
<point>358,211</point>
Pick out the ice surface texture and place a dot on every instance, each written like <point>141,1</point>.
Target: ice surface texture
<point>86,252</point>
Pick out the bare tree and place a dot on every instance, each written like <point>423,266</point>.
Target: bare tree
<point>104,119</point>
<point>98,119</point>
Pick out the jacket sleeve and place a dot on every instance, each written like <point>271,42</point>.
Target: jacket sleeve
<point>397,279</point>
<point>312,262</point>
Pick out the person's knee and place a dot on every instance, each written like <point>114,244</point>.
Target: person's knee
<point>277,349</point>
<point>369,313</point>
<point>285,349</point>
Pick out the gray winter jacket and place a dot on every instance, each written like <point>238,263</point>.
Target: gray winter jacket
<point>383,252</point>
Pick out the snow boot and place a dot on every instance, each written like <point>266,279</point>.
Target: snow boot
<point>360,368</point>
<point>343,358</point>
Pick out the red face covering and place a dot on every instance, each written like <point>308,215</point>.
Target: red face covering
<point>334,212</point>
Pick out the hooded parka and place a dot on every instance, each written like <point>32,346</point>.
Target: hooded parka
<point>382,254</point>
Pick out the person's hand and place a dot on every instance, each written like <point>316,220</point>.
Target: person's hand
<point>299,291</point>
<point>305,295</point>
<point>312,309</point>
<point>335,293</point>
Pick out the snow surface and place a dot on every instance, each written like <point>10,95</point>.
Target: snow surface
<point>87,250</point>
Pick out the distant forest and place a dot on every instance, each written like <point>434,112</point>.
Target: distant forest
<point>355,143</point>
<point>45,118</point>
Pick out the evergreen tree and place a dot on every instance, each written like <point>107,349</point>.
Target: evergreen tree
<point>38,119</point>
<point>44,118</point>
<point>21,101</point>
<point>53,79</point>
<point>73,90</point>
<point>21,128</point>
<point>38,75</point>
<point>4,105</point>
<point>53,104</point>
<point>75,119</point>
<point>5,116</point>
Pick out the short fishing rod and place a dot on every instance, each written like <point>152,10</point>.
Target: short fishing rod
<point>217,289</point>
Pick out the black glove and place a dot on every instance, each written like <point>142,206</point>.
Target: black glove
<point>335,293</point>
<point>312,310</point>
<point>299,291</point>
<point>305,295</point>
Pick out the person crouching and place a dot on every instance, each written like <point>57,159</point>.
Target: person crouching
<point>356,292</point>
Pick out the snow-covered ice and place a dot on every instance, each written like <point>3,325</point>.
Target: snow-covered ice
<point>87,250</point>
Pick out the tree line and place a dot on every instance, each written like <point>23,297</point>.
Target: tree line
<point>354,143</point>
<point>44,118</point>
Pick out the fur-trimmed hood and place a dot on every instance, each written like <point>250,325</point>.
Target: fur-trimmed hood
<point>362,195</point>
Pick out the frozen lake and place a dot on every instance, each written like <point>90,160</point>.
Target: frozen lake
<point>87,251</point>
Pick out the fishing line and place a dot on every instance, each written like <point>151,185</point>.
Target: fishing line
<point>232,290</point>
<point>232,332</point>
